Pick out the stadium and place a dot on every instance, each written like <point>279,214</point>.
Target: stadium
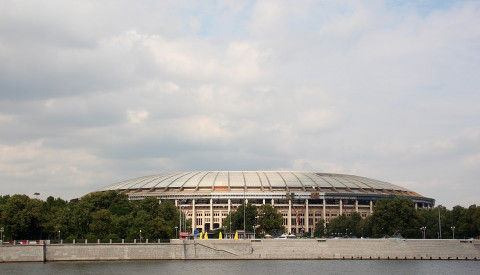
<point>303,198</point>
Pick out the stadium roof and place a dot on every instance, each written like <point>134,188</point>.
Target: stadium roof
<point>255,181</point>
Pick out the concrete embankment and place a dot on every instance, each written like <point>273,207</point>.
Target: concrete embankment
<point>249,250</point>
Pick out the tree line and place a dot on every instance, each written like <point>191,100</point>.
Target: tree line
<point>96,216</point>
<point>399,217</point>
<point>111,215</point>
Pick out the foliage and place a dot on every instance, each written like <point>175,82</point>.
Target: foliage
<point>347,226</point>
<point>395,216</point>
<point>319,228</point>
<point>95,216</point>
<point>112,215</point>
<point>269,220</point>
<point>21,217</point>
<point>237,218</point>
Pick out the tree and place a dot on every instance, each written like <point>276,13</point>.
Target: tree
<point>338,225</point>
<point>55,217</point>
<point>100,224</point>
<point>22,217</point>
<point>364,227</point>
<point>397,215</point>
<point>81,218</point>
<point>270,220</point>
<point>237,218</point>
<point>319,228</point>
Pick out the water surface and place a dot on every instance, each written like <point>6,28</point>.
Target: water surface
<point>246,267</point>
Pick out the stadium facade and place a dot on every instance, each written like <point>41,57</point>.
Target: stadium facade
<point>303,198</point>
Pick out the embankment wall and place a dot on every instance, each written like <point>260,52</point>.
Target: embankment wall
<point>248,249</point>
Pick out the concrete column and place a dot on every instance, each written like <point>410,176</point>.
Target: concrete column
<point>305,217</point>
<point>356,205</point>
<point>176,203</point>
<point>289,221</point>
<point>211,214</point>
<point>371,207</point>
<point>194,217</point>
<point>203,221</point>
<point>416,206</point>
<point>324,210</point>
<point>341,206</point>
<point>263,201</point>
<point>220,219</point>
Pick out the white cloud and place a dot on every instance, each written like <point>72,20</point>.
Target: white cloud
<point>382,91</point>
<point>316,120</point>
<point>136,117</point>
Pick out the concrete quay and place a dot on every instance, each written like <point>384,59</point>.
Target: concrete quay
<point>309,249</point>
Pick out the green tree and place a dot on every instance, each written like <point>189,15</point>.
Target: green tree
<point>365,226</point>
<point>55,217</point>
<point>319,228</point>
<point>397,215</point>
<point>81,218</point>
<point>353,224</point>
<point>237,218</point>
<point>270,220</point>
<point>22,217</point>
<point>338,225</point>
<point>101,223</point>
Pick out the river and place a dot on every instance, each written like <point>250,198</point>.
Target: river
<point>246,267</point>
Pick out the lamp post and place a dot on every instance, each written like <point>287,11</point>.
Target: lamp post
<point>230,230</point>
<point>140,235</point>
<point>224,230</point>
<point>244,210</point>
<point>1,231</point>
<point>423,228</point>
<point>453,232</point>
<point>176,232</point>
<point>180,217</point>
<point>254,227</point>
<point>58,236</point>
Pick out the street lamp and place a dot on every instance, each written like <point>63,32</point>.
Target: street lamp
<point>244,209</point>
<point>423,228</point>
<point>58,235</point>
<point>176,232</point>
<point>1,231</point>
<point>140,235</point>
<point>224,229</point>
<point>254,231</point>
<point>453,231</point>
<point>180,217</point>
<point>230,229</point>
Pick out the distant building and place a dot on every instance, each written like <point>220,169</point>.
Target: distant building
<point>301,197</point>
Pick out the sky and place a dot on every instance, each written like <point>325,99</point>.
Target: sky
<point>97,92</point>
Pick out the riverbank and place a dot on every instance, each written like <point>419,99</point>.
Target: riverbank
<point>304,249</point>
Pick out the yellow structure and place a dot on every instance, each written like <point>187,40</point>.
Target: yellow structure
<point>220,237</point>
<point>236,236</point>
